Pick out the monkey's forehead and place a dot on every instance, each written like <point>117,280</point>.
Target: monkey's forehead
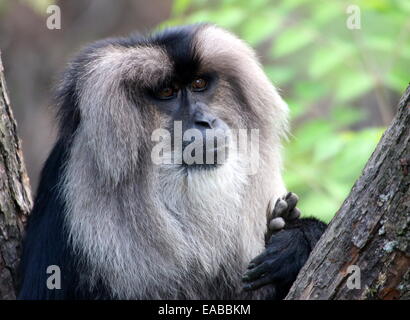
<point>177,53</point>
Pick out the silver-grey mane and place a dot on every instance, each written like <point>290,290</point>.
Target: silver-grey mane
<point>149,231</point>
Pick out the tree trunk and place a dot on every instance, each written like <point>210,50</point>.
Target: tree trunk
<point>371,230</point>
<point>15,197</point>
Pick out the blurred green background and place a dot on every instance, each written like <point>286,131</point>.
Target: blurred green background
<point>342,85</point>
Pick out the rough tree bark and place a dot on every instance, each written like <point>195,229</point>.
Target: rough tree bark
<point>371,230</point>
<point>15,198</point>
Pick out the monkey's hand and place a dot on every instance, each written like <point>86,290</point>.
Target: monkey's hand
<point>281,212</point>
<point>286,249</point>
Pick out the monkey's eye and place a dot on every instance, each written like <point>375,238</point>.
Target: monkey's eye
<point>199,84</point>
<point>166,93</point>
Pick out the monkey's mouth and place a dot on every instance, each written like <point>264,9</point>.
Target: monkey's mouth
<point>209,151</point>
<point>203,150</point>
<point>205,158</point>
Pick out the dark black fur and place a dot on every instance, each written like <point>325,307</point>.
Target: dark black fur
<point>285,254</point>
<point>46,242</point>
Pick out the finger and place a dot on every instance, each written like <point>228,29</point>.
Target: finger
<point>256,272</point>
<point>294,214</point>
<point>258,283</point>
<point>271,208</point>
<point>291,199</point>
<point>277,224</point>
<point>280,208</point>
<point>259,259</point>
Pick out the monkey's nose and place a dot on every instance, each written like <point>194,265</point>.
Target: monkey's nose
<point>202,121</point>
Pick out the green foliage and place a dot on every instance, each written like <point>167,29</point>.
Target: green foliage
<point>324,71</point>
<point>40,6</point>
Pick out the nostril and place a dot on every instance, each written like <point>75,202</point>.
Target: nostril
<point>204,123</point>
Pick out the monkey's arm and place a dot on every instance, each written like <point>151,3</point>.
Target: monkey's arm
<point>286,250</point>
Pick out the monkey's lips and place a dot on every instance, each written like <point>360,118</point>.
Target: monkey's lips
<point>203,156</point>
